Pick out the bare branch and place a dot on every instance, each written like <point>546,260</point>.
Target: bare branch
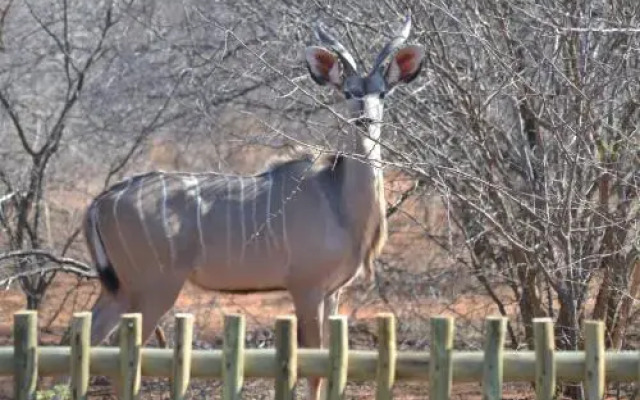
<point>16,124</point>
<point>63,261</point>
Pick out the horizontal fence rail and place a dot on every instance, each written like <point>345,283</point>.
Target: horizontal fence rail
<point>286,363</point>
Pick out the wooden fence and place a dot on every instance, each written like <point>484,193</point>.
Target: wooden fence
<point>285,363</point>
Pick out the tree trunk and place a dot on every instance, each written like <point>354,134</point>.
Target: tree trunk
<point>33,301</point>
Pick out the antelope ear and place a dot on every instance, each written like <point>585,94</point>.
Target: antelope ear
<point>324,66</point>
<point>405,65</point>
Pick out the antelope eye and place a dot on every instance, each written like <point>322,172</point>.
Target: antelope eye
<point>348,95</point>
<point>382,94</point>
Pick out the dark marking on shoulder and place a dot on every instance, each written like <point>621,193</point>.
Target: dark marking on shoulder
<point>331,180</point>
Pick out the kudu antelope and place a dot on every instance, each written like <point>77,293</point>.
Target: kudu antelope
<point>299,226</point>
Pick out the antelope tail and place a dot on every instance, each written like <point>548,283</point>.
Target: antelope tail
<point>106,272</point>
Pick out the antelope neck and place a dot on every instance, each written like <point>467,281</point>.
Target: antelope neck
<point>366,148</point>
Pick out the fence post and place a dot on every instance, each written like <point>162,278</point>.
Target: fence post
<point>545,358</point>
<point>286,357</point>
<point>386,369</point>
<point>80,354</point>
<point>25,356</point>
<point>440,366</point>
<point>594,373</point>
<point>182,356</point>
<point>130,336</point>
<point>233,356</point>
<point>338,357</point>
<point>493,363</point>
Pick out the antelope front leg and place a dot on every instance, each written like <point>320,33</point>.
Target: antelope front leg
<point>309,312</point>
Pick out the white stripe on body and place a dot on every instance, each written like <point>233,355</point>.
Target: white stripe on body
<point>199,218</point>
<point>123,242</point>
<point>285,238</point>
<point>270,234</point>
<point>243,228</point>
<point>144,226</point>
<point>165,221</point>
<point>228,198</point>
<point>255,233</point>
<point>191,185</point>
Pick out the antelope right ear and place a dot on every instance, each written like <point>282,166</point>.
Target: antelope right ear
<point>324,66</point>
<point>405,65</point>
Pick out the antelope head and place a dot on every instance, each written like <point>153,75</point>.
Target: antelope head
<point>331,64</point>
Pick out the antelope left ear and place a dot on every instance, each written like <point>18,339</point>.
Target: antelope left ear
<point>324,66</point>
<point>405,65</point>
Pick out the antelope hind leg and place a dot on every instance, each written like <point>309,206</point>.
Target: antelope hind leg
<point>105,315</point>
